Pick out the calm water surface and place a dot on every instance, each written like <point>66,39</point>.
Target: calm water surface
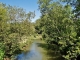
<point>33,54</point>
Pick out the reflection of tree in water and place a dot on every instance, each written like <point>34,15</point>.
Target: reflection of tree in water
<point>33,54</point>
<point>51,54</point>
<point>78,58</point>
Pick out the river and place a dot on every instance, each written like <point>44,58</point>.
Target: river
<point>33,54</point>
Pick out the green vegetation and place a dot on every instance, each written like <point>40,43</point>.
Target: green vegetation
<point>58,26</point>
<point>14,25</point>
<point>48,54</point>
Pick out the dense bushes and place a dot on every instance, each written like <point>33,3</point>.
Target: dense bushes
<point>14,23</point>
<point>59,27</point>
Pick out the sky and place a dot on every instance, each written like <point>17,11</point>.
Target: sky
<point>28,5</point>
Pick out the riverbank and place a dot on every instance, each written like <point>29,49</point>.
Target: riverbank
<point>47,54</point>
<point>39,50</point>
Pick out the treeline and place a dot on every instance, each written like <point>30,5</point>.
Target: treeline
<point>60,25</point>
<point>14,23</point>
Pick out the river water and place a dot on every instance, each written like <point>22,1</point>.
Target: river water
<point>33,54</point>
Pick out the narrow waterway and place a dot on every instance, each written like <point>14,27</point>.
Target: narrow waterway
<point>33,54</point>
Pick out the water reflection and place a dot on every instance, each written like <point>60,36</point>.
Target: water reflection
<point>33,54</point>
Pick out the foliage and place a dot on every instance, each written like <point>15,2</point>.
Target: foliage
<point>14,24</point>
<point>59,27</point>
<point>75,4</point>
<point>3,19</point>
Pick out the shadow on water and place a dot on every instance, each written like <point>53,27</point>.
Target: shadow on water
<point>53,54</point>
<point>33,54</point>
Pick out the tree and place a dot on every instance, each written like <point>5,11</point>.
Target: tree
<point>3,29</point>
<point>75,5</point>
<point>14,24</point>
<point>58,27</point>
<point>19,25</point>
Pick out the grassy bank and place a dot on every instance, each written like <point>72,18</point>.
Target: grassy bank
<point>47,54</point>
